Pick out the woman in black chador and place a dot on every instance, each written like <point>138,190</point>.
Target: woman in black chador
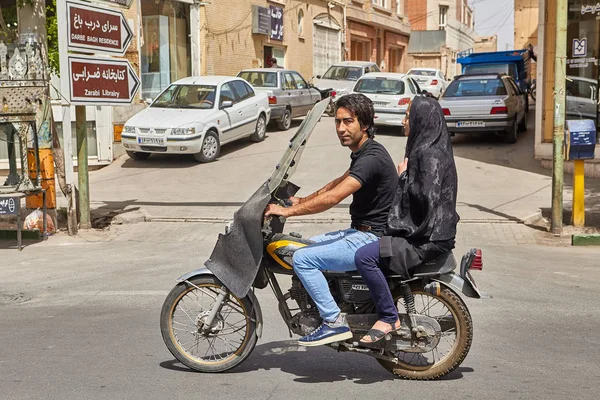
<point>422,220</point>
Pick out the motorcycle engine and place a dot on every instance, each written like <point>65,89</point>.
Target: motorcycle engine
<point>308,319</point>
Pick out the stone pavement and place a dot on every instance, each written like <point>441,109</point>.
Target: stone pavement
<point>491,187</point>
<point>499,184</point>
<point>204,235</point>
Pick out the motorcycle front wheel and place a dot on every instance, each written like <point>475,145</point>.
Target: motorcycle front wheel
<point>231,337</point>
<point>457,335</point>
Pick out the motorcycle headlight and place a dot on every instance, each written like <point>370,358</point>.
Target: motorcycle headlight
<point>183,131</point>
<point>129,129</point>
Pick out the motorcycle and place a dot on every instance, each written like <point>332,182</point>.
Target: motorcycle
<point>211,320</point>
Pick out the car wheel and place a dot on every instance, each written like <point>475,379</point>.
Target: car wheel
<point>286,120</point>
<point>261,129</point>
<point>523,124</point>
<point>138,156</point>
<point>330,110</point>
<point>210,148</point>
<point>511,135</point>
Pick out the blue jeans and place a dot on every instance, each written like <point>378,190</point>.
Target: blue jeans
<point>332,251</point>
<point>367,263</point>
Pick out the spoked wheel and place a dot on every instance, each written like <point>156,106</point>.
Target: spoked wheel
<point>457,335</point>
<point>225,344</point>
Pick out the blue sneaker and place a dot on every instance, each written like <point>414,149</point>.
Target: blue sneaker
<point>328,332</point>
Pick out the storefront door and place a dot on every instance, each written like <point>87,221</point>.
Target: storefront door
<point>583,51</point>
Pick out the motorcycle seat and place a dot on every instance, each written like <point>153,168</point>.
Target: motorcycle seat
<point>441,265</point>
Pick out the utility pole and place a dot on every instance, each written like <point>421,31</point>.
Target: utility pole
<point>559,116</point>
<point>61,12</point>
<point>82,167</point>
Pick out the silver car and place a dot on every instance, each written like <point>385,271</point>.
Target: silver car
<point>582,98</point>
<point>485,103</point>
<point>290,96</point>
<point>341,78</point>
<point>429,79</point>
<point>391,93</point>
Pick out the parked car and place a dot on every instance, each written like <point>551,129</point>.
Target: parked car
<point>582,98</point>
<point>485,103</point>
<point>341,78</point>
<point>197,115</point>
<point>390,92</point>
<point>429,79</point>
<point>289,94</point>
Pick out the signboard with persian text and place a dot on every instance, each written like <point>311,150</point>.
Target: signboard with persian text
<point>95,29</point>
<point>99,81</point>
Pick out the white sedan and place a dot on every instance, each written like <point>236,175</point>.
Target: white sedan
<point>429,79</point>
<point>196,115</point>
<point>390,93</point>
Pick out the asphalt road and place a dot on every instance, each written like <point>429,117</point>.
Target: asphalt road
<point>80,320</point>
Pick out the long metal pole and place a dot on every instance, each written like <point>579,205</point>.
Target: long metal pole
<point>559,116</point>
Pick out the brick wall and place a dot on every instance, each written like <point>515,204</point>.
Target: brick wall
<point>229,45</point>
<point>526,23</point>
<point>417,14</point>
<point>366,33</point>
<point>395,41</point>
<point>484,44</point>
<point>423,61</point>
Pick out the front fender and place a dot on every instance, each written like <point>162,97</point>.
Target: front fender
<point>255,304</point>
<point>466,286</point>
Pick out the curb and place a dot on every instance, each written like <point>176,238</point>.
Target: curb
<point>592,239</point>
<point>216,220</point>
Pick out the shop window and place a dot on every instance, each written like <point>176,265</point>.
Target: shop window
<point>165,52</point>
<point>300,22</point>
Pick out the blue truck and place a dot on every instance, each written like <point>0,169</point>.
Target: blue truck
<point>514,63</point>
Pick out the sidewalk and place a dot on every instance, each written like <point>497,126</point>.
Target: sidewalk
<point>498,182</point>
<point>177,189</point>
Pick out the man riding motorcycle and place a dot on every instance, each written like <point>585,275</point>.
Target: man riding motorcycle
<point>372,180</point>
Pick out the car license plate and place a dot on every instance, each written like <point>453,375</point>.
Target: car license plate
<point>470,124</point>
<point>380,104</point>
<point>151,141</point>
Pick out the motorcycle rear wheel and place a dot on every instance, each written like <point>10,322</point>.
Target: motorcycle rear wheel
<point>231,338</point>
<point>416,366</point>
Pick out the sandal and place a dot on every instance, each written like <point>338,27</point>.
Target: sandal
<point>377,335</point>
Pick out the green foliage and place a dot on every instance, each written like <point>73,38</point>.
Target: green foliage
<point>52,32</point>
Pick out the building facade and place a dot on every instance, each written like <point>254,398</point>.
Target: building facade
<point>526,27</point>
<point>582,70</point>
<point>180,38</point>
<point>440,29</point>
<point>378,31</point>
<point>303,35</point>
<point>486,44</point>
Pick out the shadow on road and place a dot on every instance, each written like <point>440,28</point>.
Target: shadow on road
<point>313,365</point>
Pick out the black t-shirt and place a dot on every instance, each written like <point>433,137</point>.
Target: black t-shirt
<point>373,167</point>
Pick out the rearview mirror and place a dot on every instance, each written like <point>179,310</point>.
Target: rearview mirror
<point>148,100</point>
<point>318,76</point>
<point>226,104</point>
